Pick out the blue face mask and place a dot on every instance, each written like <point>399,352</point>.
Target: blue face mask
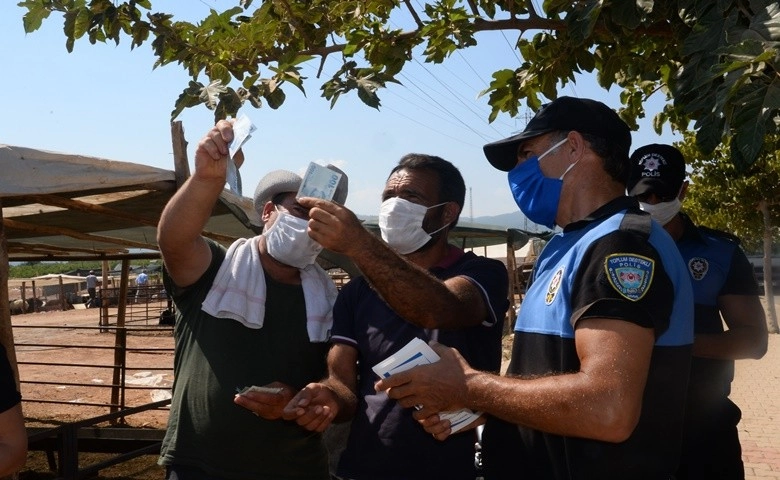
<point>536,195</point>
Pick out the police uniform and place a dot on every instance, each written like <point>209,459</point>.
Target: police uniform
<point>616,264</point>
<point>717,266</point>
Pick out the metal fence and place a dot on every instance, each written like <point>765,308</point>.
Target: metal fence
<point>90,372</point>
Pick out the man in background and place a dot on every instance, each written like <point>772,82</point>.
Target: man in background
<point>141,284</point>
<point>725,291</point>
<point>92,283</point>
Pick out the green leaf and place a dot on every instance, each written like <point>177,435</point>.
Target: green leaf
<point>220,73</point>
<point>275,98</point>
<point>81,24</point>
<point>710,133</point>
<point>582,20</point>
<point>766,21</point>
<point>36,14</point>
<point>228,106</point>
<point>190,97</point>
<point>210,94</point>
<point>750,123</point>
<point>626,15</point>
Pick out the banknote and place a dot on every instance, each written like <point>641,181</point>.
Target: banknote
<point>255,388</point>
<point>319,182</point>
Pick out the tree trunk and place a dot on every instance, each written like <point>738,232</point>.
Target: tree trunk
<point>771,317</point>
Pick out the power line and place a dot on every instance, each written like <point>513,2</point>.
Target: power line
<point>511,47</point>
<point>457,139</point>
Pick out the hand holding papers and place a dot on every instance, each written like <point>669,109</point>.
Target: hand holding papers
<point>415,353</point>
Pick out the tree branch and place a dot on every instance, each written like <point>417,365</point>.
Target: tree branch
<point>532,13</point>
<point>474,8</point>
<point>414,14</point>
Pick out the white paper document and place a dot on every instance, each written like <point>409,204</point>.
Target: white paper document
<point>415,353</point>
<point>242,131</point>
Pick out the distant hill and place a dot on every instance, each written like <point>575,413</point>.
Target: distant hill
<point>509,220</point>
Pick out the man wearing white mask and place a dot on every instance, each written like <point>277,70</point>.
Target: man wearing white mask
<point>725,291</point>
<point>414,285</point>
<point>256,314</point>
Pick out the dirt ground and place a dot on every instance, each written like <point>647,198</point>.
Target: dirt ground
<point>82,382</point>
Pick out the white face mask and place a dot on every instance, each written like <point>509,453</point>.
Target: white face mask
<point>287,241</point>
<point>662,212</point>
<point>400,222</point>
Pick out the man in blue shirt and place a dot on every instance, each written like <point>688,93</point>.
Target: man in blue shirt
<point>414,284</point>
<point>596,385</point>
<point>724,290</point>
<point>141,284</point>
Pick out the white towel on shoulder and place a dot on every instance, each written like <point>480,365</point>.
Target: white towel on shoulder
<point>239,291</point>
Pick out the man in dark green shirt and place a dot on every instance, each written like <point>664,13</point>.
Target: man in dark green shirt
<point>256,314</point>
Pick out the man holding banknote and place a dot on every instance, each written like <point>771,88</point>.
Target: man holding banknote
<point>252,327</point>
<point>414,285</point>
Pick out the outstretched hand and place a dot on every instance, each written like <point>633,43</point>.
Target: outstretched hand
<point>265,404</point>
<point>313,408</point>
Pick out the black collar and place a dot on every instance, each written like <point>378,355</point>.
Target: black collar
<point>610,208</point>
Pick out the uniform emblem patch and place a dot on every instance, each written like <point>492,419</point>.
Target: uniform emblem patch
<point>552,288</point>
<point>630,275</point>
<point>650,164</point>
<point>698,267</point>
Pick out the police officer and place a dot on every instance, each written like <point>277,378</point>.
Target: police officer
<point>724,287</point>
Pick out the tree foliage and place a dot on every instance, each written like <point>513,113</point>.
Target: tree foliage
<point>723,197</point>
<point>717,61</point>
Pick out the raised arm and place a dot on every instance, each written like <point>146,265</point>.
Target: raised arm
<point>184,251</point>
<point>451,303</point>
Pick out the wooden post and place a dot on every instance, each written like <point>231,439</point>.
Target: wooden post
<point>181,166</point>
<point>511,267</point>
<point>34,297</point>
<point>63,304</point>
<point>120,344</point>
<point>103,321</point>
<point>6,330</point>
<point>24,297</point>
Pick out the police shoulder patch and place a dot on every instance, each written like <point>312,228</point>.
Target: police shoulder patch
<point>554,286</point>
<point>629,274</point>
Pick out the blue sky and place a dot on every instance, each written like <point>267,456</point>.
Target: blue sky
<point>106,101</point>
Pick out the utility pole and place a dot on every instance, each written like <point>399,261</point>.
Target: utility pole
<point>471,207</point>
